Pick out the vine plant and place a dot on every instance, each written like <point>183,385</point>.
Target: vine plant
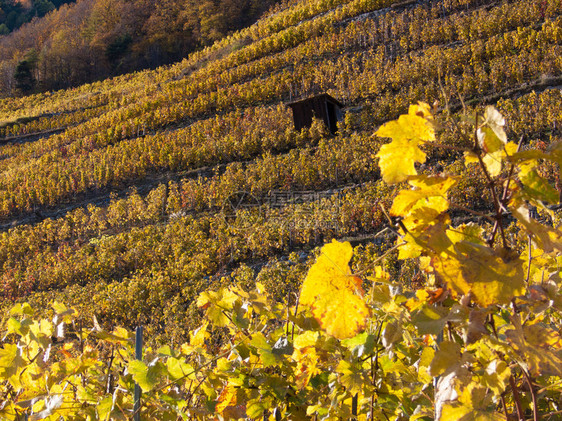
<point>479,340</point>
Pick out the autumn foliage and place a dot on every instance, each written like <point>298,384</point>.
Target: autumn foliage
<point>113,201</point>
<point>479,339</point>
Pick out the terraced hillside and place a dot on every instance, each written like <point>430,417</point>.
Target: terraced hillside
<point>128,197</point>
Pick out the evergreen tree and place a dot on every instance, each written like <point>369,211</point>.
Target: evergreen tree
<point>25,81</point>
<point>42,7</point>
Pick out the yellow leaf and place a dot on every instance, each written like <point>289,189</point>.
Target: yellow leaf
<point>492,277</point>
<point>333,294</point>
<point>453,413</point>
<point>426,233</point>
<point>488,140</point>
<point>511,148</point>
<point>397,159</point>
<point>446,357</point>
<point>470,158</point>
<point>423,205</point>
<point>538,346</point>
<point>409,127</point>
<point>308,338</point>
<point>409,250</point>
<point>470,232</point>
<point>536,187</point>
<point>473,405</point>
<point>411,200</point>
<point>198,336</point>
<point>216,302</point>
<point>226,399</point>
<point>307,365</point>
<point>436,184</point>
<point>493,162</point>
<point>496,376</point>
<point>350,377</point>
<point>548,238</point>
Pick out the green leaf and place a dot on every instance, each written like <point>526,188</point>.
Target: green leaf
<point>177,368</point>
<point>351,377</point>
<point>145,377</point>
<point>264,350</point>
<point>535,187</point>
<point>17,327</point>
<point>430,320</point>
<point>255,408</point>
<point>360,345</point>
<point>23,309</point>
<point>104,408</point>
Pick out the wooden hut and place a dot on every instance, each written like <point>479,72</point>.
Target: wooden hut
<point>321,106</point>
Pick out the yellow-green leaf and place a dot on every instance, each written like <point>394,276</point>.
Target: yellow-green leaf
<point>146,377</point>
<point>534,186</point>
<point>259,341</point>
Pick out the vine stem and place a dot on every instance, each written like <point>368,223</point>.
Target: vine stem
<point>296,311</point>
<point>108,375</point>
<point>529,258</point>
<point>504,407</point>
<point>511,169</point>
<point>533,394</point>
<point>372,394</point>
<point>499,204</point>
<point>472,211</point>
<point>516,399</point>
<point>476,149</point>
<point>374,370</point>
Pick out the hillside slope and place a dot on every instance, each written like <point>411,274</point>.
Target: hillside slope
<point>117,197</point>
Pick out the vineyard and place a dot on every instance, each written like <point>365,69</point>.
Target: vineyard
<point>283,274</point>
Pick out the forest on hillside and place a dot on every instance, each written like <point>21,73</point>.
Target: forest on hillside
<point>94,39</point>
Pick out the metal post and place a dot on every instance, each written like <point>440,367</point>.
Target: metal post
<point>138,356</point>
